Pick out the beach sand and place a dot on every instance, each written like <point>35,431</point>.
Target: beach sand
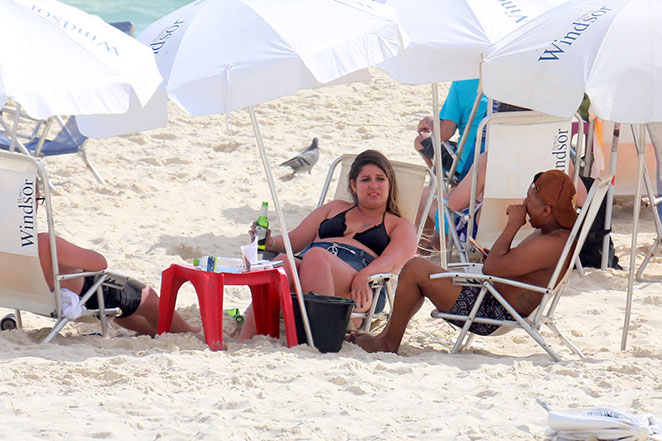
<point>192,189</point>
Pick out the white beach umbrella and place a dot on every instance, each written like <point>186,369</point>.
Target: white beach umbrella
<point>221,55</point>
<point>447,38</point>
<point>56,59</point>
<point>609,49</point>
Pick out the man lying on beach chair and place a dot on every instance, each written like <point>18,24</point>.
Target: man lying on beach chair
<point>550,207</point>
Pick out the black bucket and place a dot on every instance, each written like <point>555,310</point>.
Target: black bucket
<point>328,317</point>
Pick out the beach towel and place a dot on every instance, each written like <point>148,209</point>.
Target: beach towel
<point>70,304</point>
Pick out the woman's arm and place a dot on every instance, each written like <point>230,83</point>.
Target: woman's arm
<point>305,232</point>
<point>400,249</point>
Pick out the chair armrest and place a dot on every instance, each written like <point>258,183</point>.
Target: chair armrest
<point>381,278</point>
<point>467,267</point>
<point>490,279</point>
<point>78,275</point>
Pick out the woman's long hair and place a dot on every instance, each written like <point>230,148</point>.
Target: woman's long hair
<point>376,158</point>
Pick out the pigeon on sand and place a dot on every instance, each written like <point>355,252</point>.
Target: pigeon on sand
<point>304,161</point>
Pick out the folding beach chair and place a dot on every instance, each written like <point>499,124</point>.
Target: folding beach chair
<point>655,202</point>
<point>68,140</point>
<point>22,284</point>
<point>471,275</point>
<point>519,145</point>
<point>125,26</point>
<point>627,162</point>
<point>411,180</point>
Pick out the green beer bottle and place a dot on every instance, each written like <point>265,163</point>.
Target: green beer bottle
<point>261,227</point>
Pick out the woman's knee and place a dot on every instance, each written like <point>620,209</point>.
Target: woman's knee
<point>315,258</point>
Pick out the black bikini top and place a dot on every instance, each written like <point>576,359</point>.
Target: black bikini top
<point>375,238</point>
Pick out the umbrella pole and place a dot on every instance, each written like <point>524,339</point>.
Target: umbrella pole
<point>439,175</point>
<point>283,227</point>
<point>610,196</point>
<point>640,143</point>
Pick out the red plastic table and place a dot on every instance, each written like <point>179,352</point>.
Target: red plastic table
<point>269,290</point>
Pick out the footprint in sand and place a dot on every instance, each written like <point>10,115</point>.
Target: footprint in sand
<point>164,136</point>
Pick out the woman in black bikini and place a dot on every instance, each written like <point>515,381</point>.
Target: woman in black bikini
<point>341,244</point>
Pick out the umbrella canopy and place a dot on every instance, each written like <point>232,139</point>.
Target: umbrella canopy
<point>240,53</point>
<point>448,36</point>
<point>56,59</point>
<point>222,55</point>
<point>609,49</point>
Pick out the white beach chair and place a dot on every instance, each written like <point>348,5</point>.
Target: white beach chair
<point>519,145</point>
<point>471,275</point>
<point>411,181</point>
<point>627,162</point>
<point>22,283</point>
<point>655,202</point>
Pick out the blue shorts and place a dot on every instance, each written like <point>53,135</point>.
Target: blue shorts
<point>353,256</point>
<point>489,308</point>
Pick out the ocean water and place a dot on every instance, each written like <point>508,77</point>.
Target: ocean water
<point>141,13</point>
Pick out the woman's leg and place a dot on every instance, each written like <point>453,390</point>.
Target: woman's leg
<point>145,320</point>
<point>325,273</point>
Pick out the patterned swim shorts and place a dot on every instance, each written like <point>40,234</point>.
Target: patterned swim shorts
<point>489,308</point>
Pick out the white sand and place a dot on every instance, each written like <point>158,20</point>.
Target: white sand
<point>192,189</point>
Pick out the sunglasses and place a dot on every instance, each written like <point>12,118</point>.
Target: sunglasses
<point>535,179</point>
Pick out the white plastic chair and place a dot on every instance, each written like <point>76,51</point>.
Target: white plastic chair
<point>22,283</point>
<point>411,181</point>
<point>471,275</point>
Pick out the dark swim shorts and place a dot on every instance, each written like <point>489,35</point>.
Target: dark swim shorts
<point>354,257</point>
<point>489,308</point>
<point>127,299</point>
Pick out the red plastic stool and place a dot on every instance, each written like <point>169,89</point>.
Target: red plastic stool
<point>270,292</point>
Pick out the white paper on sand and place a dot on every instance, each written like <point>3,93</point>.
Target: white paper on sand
<point>602,423</point>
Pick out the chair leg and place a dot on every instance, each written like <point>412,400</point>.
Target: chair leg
<point>524,324</point>
<point>565,339</point>
<point>91,166</point>
<point>56,329</point>
<point>649,256</point>
<point>467,344</point>
<point>580,267</point>
<point>467,324</point>
<point>103,318</point>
